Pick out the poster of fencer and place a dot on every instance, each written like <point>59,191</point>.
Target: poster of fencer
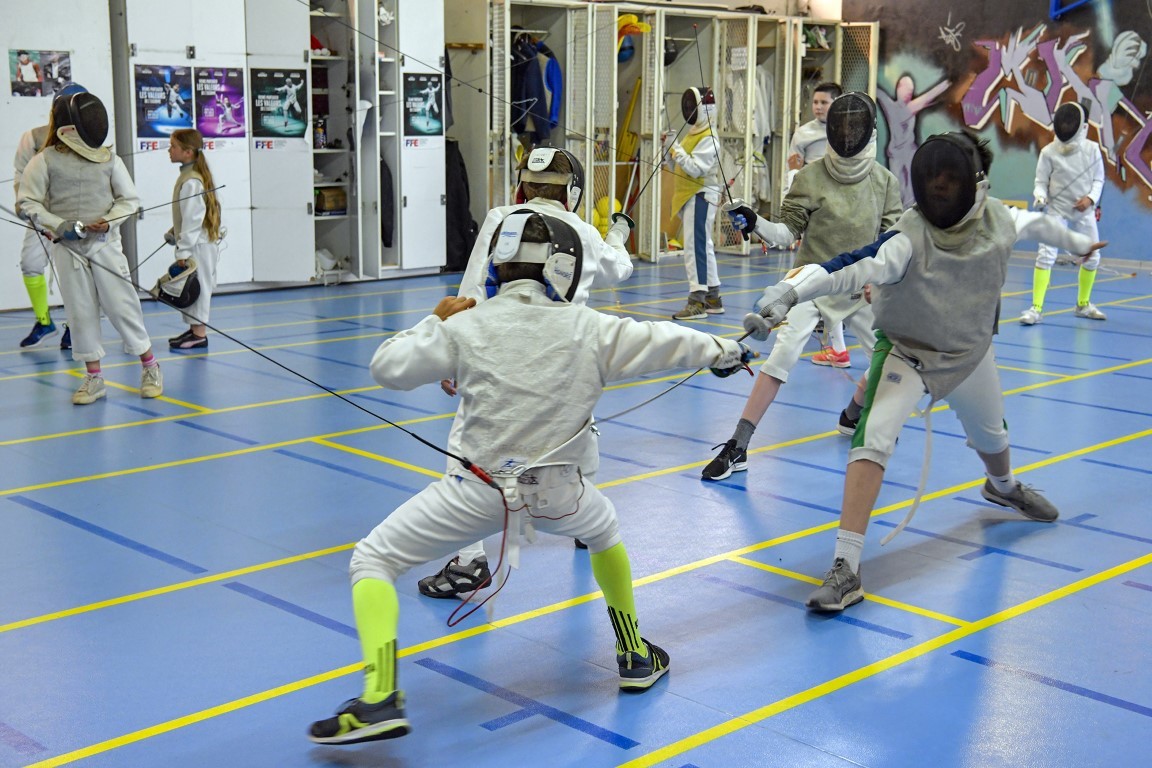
<point>38,73</point>
<point>279,109</point>
<point>220,112</point>
<point>163,99</point>
<point>422,100</point>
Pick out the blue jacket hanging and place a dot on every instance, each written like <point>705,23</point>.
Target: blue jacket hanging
<point>530,91</point>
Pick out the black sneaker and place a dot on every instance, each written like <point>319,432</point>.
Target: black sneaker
<point>172,342</point>
<point>579,544</point>
<point>66,339</point>
<point>638,673</point>
<point>731,459</point>
<point>38,334</point>
<point>456,579</point>
<point>847,426</point>
<point>191,342</point>
<point>357,721</point>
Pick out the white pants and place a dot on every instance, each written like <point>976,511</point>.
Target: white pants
<point>88,289</point>
<point>455,511</point>
<point>802,320</point>
<point>33,254</point>
<point>1083,222</point>
<point>894,389</point>
<point>696,220</point>
<point>207,257</point>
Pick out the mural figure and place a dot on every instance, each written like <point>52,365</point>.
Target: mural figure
<point>900,114</point>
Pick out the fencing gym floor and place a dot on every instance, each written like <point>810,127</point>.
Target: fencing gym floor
<point>173,572</point>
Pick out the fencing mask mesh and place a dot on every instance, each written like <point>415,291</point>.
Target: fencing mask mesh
<point>1067,121</point>
<point>697,104</point>
<point>851,123</point>
<point>946,174</point>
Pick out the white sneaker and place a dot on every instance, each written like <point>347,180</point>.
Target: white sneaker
<point>91,390</point>
<point>1030,316</point>
<point>151,381</point>
<point>1090,311</point>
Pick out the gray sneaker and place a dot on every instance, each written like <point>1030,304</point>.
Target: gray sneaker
<point>1090,311</point>
<point>1024,499</point>
<point>693,310</point>
<point>841,588</point>
<point>91,390</point>
<point>151,381</point>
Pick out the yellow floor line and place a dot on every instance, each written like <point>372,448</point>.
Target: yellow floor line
<point>905,607</point>
<point>870,670</point>
<point>378,457</point>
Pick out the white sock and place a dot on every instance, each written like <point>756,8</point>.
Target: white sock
<point>836,337</point>
<point>1005,484</point>
<point>850,546</point>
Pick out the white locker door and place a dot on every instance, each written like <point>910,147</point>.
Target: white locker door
<point>86,40</point>
<point>214,35</point>
<point>421,185</point>
<point>283,233</point>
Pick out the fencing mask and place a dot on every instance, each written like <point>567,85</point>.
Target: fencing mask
<point>562,255</point>
<point>698,106</point>
<point>851,123</point>
<point>949,181</point>
<point>541,169</point>
<point>82,124</point>
<point>179,286</point>
<point>1067,121</point>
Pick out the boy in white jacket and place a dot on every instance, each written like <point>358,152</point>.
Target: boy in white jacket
<point>509,356</point>
<point>551,182</point>
<point>1069,180</point>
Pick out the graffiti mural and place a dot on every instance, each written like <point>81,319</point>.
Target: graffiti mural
<point>1029,74</point>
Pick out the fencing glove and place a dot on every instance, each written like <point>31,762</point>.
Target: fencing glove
<point>742,215</point>
<point>771,310</point>
<point>725,366</point>
<point>622,226</point>
<point>170,237</point>
<point>70,230</point>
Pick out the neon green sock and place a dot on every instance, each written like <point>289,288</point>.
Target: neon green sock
<point>377,616</point>
<point>37,286</point>
<point>1087,280</point>
<point>1040,280</point>
<point>613,573</point>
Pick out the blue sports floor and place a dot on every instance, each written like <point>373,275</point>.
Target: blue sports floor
<point>173,572</point>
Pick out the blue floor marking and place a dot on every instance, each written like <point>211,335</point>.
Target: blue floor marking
<point>1047,349</point>
<point>1114,465</point>
<point>347,471</point>
<point>801,503</point>
<point>531,706</point>
<point>23,744</point>
<point>983,549</point>
<point>806,464</point>
<point>675,435</point>
<point>1064,401</point>
<point>279,374</point>
<point>393,404</point>
<point>1047,363</point>
<point>111,536</point>
<point>1054,683</point>
<point>1132,376</point>
<point>851,620</point>
<point>958,436</point>
<point>216,432</point>
<point>358,365</point>
<point>1078,522</point>
<point>1138,585</point>
<point>292,608</point>
<point>626,460</point>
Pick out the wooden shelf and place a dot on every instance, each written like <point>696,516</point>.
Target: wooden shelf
<point>334,217</point>
<point>330,151</point>
<point>329,183</point>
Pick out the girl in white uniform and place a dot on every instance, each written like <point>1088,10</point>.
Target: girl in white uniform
<point>195,230</point>
<point>78,192</point>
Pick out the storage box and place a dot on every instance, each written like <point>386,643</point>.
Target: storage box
<point>331,201</point>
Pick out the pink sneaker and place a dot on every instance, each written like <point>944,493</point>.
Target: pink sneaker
<point>829,356</point>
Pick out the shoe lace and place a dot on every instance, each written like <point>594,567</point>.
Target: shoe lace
<point>728,452</point>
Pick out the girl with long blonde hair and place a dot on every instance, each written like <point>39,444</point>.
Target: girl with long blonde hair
<point>195,230</point>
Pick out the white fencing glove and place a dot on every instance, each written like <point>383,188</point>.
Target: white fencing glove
<point>622,226</point>
<point>730,363</point>
<point>1040,202</point>
<point>771,310</point>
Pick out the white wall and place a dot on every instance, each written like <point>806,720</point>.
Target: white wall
<point>86,38</point>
